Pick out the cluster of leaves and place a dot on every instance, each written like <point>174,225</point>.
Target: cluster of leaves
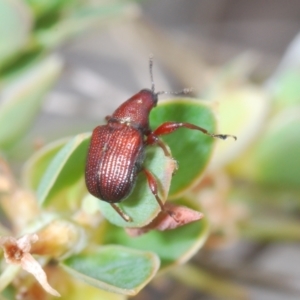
<point>50,214</point>
<point>262,169</point>
<point>95,250</point>
<point>30,31</point>
<point>51,206</point>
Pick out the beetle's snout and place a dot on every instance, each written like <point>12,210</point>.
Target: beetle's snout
<point>148,97</point>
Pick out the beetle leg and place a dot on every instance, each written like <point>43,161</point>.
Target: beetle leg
<point>153,139</point>
<point>121,213</point>
<point>153,187</point>
<point>169,127</point>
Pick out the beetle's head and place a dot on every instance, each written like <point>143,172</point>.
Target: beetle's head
<point>136,110</point>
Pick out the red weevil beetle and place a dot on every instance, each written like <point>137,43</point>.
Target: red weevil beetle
<point>116,151</point>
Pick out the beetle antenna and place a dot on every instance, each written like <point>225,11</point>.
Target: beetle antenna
<point>181,92</point>
<point>151,72</point>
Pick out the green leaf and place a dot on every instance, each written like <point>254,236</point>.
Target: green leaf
<point>173,246</point>
<point>77,290</point>
<point>15,26</point>
<point>9,293</point>
<point>276,157</point>
<point>8,275</point>
<point>241,112</point>
<point>38,163</point>
<point>15,69</point>
<point>114,268</point>
<point>22,99</point>
<point>65,169</point>
<point>45,7</point>
<point>191,148</point>
<point>287,89</point>
<point>141,205</point>
<point>80,19</point>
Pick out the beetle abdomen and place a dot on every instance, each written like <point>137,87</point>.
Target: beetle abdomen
<point>113,160</point>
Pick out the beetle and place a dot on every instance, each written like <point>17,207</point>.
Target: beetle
<point>117,150</point>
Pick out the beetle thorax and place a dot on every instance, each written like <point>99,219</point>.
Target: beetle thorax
<point>135,111</point>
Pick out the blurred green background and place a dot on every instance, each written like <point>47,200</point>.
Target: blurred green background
<point>65,65</point>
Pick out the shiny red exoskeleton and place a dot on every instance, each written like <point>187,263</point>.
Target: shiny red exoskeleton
<point>116,151</point>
